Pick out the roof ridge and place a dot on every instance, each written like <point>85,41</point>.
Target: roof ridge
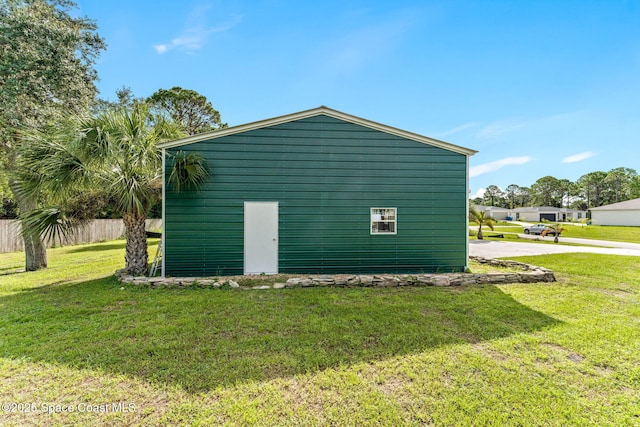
<point>218,133</point>
<point>628,204</point>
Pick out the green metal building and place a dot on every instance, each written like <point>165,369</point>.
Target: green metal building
<point>318,191</point>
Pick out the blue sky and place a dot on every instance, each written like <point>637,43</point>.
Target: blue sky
<point>537,87</point>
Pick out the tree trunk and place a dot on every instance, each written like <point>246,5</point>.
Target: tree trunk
<point>480,232</point>
<point>136,255</point>
<point>34,248</point>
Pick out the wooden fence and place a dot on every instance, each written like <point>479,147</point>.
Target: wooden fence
<point>97,230</point>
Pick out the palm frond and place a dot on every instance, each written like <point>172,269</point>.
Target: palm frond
<point>489,222</point>
<point>189,172</point>
<point>95,144</point>
<point>48,161</point>
<point>133,193</point>
<point>51,224</point>
<point>131,170</point>
<point>481,217</point>
<point>556,229</point>
<point>473,212</point>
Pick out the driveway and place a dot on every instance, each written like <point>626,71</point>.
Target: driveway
<point>494,249</point>
<point>603,243</point>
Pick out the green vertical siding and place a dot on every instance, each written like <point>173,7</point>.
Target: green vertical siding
<point>326,174</point>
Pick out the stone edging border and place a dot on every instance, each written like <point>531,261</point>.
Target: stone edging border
<point>529,274</point>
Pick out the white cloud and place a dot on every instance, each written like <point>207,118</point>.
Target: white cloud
<point>456,129</point>
<point>478,194</point>
<point>352,51</point>
<point>189,41</point>
<point>498,164</point>
<point>578,157</point>
<point>196,33</point>
<point>161,48</point>
<point>500,127</point>
<point>547,124</point>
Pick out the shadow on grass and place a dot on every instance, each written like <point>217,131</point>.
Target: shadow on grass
<point>120,244</point>
<point>11,270</point>
<point>201,339</point>
<point>98,247</point>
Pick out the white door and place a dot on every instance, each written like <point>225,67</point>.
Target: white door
<point>260,237</point>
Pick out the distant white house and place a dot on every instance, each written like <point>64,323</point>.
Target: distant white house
<point>533,213</point>
<point>623,213</point>
<point>549,213</point>
<point>499,214</point>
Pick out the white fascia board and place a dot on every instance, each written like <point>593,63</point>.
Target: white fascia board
<point>466,216</point>
<point>164,210</point>
<point>315,112</point>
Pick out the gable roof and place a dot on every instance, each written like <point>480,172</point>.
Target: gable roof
<point>490,208</point>
<point>633,204</point>
<point>537,209</point>
<point>545,209</point>
<point>312,113</point>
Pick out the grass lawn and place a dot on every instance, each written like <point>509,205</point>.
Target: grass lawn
<point>557,354</point>
<point>489,235</point>
<point>603,232</point>
<point>595,232</point>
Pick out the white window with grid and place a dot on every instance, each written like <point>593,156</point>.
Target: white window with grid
<point>384,220</point>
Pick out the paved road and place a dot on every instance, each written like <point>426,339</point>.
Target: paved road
<point>500,249</point>
<point>497,249</point>
<point>603,243</point>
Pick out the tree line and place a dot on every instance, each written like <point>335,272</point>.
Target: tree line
<point>189,109</point>
<point>66,155</point>
<point>589,191</point>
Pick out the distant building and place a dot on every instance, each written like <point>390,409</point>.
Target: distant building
<point>549,213</point>
<point>533,213</point>
<point>623,213</point>
<point>499,214</point>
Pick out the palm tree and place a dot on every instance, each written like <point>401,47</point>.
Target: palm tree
<point>482,219</point>
<point>117,152</point>
<point>556,229</point>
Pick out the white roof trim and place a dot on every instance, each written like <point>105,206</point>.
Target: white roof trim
<point>311,113</point>
<point>633,204</point>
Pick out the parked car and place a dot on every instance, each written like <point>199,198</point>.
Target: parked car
<point>539,228</point>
